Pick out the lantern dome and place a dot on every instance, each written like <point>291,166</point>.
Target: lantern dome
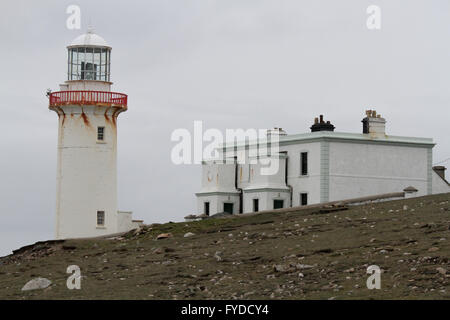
<point>89,39</point>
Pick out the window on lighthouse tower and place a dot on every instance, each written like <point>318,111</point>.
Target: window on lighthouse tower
<point>100,133</point>
<point>100,218</point>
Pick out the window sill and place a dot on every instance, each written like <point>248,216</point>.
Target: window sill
<point>100,227</point>
<point>304,176</point>
<point>101,142</point>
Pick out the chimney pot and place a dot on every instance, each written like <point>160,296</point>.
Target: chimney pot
<point>321,125</point>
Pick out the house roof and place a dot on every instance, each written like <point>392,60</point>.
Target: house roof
<point>339,136</point>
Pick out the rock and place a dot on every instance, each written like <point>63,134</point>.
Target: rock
<point>189,234</point>
<point>280,268</point>
<point>37,283</point>
<point>433,249</point>
<point>217,256</point>
<point>441,270</point>
<point>351,270</point>
<point>249,293</point>
<point>164,236</point>
<point>158,251</point>
<point>405,207</point>
<point>303,266</point>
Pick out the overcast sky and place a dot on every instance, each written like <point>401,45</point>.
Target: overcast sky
<point>230,63</point>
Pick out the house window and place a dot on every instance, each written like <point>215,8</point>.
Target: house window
<point>278,204</point>
<point>100,133</point>
<point>206,208</point>
<point>255,205</point>
<point>303,199</point>
<point>304,163</point>
<point>100,218</point>
<point>228,208</point>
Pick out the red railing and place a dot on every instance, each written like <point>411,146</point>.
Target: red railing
<point>62,98</point>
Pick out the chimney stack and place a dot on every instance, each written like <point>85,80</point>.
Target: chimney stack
<point>321,125</point>
<point>276,132</point>
<point>374,124</point>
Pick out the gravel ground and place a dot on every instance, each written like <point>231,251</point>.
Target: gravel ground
<point>308,254</point>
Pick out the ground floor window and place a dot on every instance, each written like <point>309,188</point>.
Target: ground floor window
<point>100,218</point>
<point>255,205</point>
<point>278,204</point>
<point>303,199</point>
<point>228,207</point>
<point>206,208</point>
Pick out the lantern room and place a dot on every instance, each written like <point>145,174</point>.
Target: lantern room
<point>89,58</point>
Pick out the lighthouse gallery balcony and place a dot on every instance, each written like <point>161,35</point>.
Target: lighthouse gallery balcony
<point>100,98</point>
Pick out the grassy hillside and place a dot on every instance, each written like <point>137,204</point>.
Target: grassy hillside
<point>309,254</point>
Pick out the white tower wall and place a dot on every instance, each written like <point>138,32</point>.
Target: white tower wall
<point>87,171</point>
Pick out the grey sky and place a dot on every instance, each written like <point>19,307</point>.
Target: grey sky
<point>230,63</point>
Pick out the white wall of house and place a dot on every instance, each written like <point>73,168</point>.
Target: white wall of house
<point>309,183</point>
<point>217,202</point>
<point>253,176</point>
<point>363,169</point>
<point>218,187</point>
<point>218,177</point>
<point>265,199</point>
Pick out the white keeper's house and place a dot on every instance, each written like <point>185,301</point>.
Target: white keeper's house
<point>320,166</point>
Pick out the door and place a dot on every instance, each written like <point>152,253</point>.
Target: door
<point>206,209</point>
<point>255,205</point>
<point>228,207</point>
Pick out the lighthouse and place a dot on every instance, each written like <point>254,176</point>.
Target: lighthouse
<point>86,179</point>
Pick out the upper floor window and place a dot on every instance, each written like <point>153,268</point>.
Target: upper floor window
<point>100,133</point>
<point>304,163</point>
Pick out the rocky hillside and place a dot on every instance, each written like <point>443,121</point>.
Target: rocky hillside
<point>315,253</point>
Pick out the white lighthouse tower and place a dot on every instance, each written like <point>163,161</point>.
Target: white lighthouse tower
<point>86,198</point>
